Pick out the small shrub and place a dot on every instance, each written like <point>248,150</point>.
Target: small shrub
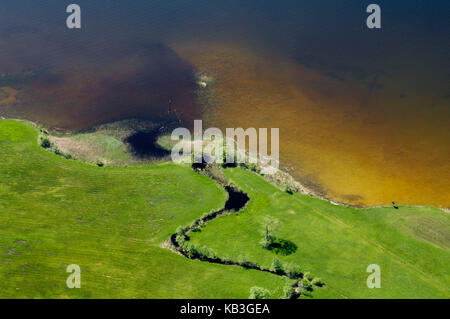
<point>259,293</point>
<point>100,163</point>
<point>293,271</point>
<point>191,250</point>
<point>244,261</point>
<point>42,129</point>
<point>200,223</point>
<point>289,189</point>
<point>180,239</point>
<point>305,284</point>
<point>210,253</point>
<point>45,143</point>
<point>180,231</point>
<point>192,225</point>
<point>241,259</point>
<point>180,236</point>
<point>277,266</point>
<point>244,165</point>
<point>308,276</point>
<point>184,245</point>
<point>288,292</point>
<point>226,259</point>
<point>254,168</point>
<point>317,282</point>
<point>251,264</point>
<point>205,253</point>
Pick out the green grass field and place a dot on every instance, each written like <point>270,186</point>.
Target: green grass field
<point>113,221</point>
<point>335,243</point>
<point>110,221</point>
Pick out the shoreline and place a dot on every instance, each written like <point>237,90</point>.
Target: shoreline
<point>279,179</point>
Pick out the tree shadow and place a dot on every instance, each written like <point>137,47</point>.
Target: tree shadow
<point>282,247</point>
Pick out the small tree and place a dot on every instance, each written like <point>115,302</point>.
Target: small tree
<point>271,226</point>
<point>264,242</point>
<point>259,293</point>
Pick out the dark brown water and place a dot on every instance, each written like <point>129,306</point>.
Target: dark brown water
<point>363,114</point>
<point>77,91</point>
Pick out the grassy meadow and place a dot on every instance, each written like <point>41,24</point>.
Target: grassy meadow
<point>114,221</point>
<point>336,243</point>
<point>110,221</point>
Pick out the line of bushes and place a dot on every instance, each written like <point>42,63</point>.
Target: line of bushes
<point>290,291</point>
<point>48,145</point>
<point>304,281</point>
<point>45,143</point>
<point>294,272</point>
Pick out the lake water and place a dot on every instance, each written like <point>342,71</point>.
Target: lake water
<point>363,114</point>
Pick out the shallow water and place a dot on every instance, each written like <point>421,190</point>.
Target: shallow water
<point>352,149</point>
<point>363,114</point>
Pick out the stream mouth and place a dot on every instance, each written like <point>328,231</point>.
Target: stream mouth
<point>236,199</point>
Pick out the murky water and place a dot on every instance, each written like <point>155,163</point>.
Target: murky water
<point>143,145</point>
<point>363,114</point>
